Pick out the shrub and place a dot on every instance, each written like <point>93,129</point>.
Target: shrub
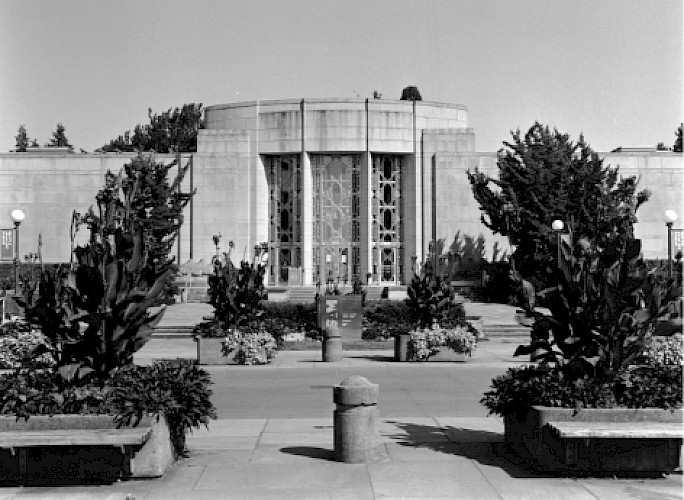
<point>384,319</point>
<point>651,386</point>
<point>280,318</point>
<point>522,387</point>
<point>179,389</point>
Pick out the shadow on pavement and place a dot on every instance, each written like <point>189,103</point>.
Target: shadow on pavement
<point>311,452</point>
<point>485,447</point>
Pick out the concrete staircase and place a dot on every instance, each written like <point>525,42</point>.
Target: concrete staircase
<point>302,294</point>
<point>506,330</point>
<point>172,332</point>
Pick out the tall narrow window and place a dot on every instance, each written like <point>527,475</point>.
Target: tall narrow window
<point>285,234</point>
<point>386,221</point>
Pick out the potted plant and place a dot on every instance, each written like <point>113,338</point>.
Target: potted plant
<point>604,303</point>
<point>102,308</point>
<point>236,334</point>
<point>438,321</point>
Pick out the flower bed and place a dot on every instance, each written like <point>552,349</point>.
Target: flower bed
<point>251,348</point>
<point>21,345</point>
<point>425,343</point>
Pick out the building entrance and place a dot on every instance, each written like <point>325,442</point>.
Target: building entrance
<point>336,218</point>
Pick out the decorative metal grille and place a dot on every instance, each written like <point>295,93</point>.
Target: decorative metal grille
<point>336,232</point>
<point>285,228</point>
<point>386,222</point>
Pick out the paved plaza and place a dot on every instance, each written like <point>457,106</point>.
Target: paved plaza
<point>274,435</point>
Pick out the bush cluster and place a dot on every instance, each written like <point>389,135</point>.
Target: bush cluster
<point>656,386</point>
<point>179,389</point>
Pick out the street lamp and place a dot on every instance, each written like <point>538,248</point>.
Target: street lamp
<point>557,226</point>
<point>670,217</point>
<point>17,217</point>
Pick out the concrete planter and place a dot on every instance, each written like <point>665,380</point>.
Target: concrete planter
<point>209,352</point>
<point>401,342</point>
<point>530,437</point>
<point>84,464</point>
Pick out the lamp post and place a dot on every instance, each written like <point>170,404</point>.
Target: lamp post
<point>17,217</point>
<point>557,225</point>
<point>670,217</point>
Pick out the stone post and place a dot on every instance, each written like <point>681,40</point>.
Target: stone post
<point>355,421</point>
<point>332,344</point>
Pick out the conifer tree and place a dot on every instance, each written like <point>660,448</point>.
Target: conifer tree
<point>59,139</point>
<point>544,176</point>
<point>678,141</point>
<point>22,140</point>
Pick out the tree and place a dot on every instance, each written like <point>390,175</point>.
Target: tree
<point>410,93</point>
<point>59,139</point>
<point>34,143</point>
<point>22,140</point>
<point>174,130</point>
<point>678,142</point>
<point>544,176</point>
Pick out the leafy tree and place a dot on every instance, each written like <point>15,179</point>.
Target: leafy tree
<point>411,93</point>
<point>544,176</point>
<point>174,130</point>
<point>59,139</point>
<point>678,141</point>
<point>661,146</point>
<point>34,143</point>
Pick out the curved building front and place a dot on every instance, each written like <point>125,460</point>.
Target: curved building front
<point>339,185</point>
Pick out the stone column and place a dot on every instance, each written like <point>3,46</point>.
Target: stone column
<point>307,220</point>
<point>355,421</point>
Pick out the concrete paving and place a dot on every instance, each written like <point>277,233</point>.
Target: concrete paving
<point>274,437</point>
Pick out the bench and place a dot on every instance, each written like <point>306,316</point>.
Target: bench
<point>122,438</point>
<point>572,434</point>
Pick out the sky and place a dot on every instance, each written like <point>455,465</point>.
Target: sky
<point>610,69</point>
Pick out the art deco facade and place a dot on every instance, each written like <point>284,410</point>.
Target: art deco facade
<point>338,188</point>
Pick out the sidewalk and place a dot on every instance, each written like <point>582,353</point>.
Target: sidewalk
<point>274,437</point>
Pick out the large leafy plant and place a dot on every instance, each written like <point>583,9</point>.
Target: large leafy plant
<point>237,292</point>
<point>431,300</point>
<point>102,308</point>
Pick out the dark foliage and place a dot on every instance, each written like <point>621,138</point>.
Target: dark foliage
<point>178,389</point>
<point>410,93</point>
<point>22,140</point>
<point>386,318</point>
<point>677,147</point>
<point>431,300</point>
<point>174,130</point>
<point>522,387</point>
<point>237,292</point>
<point>59,139</point>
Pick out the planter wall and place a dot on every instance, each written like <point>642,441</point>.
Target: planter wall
<point>445,354</point>
<point>530,437</point>
<point>84,464</point>
<point>209,352</point>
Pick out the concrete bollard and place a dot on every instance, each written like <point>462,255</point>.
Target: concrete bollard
<point>355,421</point>
<point>332,344</point>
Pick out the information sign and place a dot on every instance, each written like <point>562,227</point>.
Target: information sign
<point>7,244</point>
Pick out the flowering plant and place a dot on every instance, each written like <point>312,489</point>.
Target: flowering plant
<point>253,348</point>
<point>424,343</point>
<point>23,346</point>
<point>663,350</point>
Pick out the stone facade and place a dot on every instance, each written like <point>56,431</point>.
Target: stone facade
<point>338,187</point>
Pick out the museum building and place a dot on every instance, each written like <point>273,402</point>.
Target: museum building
<point>338,188</point>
